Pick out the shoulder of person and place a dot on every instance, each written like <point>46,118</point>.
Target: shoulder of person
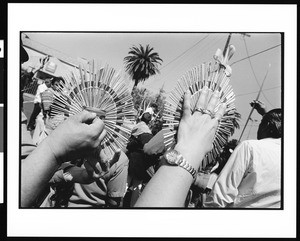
<point>246,144</point>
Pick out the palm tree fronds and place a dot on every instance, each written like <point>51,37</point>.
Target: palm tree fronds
<point>141,63</point>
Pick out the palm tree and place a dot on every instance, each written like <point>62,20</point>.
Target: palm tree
<point>141,63</point>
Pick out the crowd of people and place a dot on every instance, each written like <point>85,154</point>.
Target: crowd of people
<point>64,167</point>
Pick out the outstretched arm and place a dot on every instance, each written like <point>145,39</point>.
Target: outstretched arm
<point>259,107</point>
<point>75,137</point>
<point>170,184</point>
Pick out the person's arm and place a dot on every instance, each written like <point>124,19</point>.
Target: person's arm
<point>78,175</point>
<point>75,137</point>
<point>145,138</point>
<point>170,184</point>
<point>259,107</point>
<point>205,180</point>
<point>155,145</point>
<point>225,189</point>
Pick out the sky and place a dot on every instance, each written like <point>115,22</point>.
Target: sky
<point>181,51</point>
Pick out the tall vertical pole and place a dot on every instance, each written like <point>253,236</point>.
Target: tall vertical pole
<point>256,100</point>
<point>227,44</point>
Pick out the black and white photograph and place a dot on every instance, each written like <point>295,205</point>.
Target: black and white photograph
<point>165,123</point>
<point>134,104</point>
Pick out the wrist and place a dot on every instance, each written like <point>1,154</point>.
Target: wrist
<point>193,156</point>
<point>55,150</point>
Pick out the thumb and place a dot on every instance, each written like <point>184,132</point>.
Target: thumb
<point>103,156</point>
<point>86,116</point>
<point>115,157</point>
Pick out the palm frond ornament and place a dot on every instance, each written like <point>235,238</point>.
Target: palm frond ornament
<point>103,91</point>
<point>215,75</point>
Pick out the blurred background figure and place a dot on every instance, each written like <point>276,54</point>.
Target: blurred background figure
<point>37,105</point>
<point>251,178</point>
<point>138,160</point>
<point>206,178</point>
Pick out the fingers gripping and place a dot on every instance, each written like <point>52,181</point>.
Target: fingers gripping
<point>186,105</point>
<point>86,116</point>
<point>220,112</point>
<point>213,102</point>
<point>202,102</point>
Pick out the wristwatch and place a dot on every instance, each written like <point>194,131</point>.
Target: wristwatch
<point>174,158</point>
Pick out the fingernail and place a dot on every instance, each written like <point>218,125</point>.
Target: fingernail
<point>205,88</point>
<point>95,118</point>
<point>217,93</point>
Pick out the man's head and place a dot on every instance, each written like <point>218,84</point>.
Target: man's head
<point>228,148</point>
<point>154,107</point>
<point>48,82</point>
<point>270,126</point>
<point>57,82</point>
<point>146,117</point>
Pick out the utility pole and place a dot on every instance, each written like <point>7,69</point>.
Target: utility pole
<point>249,117</point>
<point>228,41</point>
<point>227,44</point>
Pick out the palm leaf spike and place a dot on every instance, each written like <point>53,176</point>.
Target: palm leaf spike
<point>104,92</point>
<point>214,75</point>
<point>143,106</point>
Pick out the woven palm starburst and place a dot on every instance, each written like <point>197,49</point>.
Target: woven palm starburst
<point>103,91</point>
<point>215,75</point>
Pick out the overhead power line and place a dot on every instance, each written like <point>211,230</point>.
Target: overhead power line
<point>251,66</point>
<point>185,51</point>
<point>255,54</point>
<point>257,91</point>
<point>260,91</point>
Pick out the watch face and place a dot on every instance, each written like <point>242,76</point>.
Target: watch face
<point>171,156</point>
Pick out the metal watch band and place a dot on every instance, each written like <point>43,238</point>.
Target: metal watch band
<point>184,164</point>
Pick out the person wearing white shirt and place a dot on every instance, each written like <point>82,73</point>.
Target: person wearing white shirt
<point>37,106</point>
<point>251,177</point>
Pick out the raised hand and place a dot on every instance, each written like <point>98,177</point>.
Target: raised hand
<point>76,137</point>
<point>196,131</point>
<point>259,106</point>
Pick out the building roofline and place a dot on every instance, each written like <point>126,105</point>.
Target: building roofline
<point>38,47</point>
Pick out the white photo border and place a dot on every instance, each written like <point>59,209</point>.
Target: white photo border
<point>152,222</point>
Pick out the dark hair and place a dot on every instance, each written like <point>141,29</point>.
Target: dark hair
<point>154,105</point>
<point>57,79</point>
<point>146,117</point>
<point>272,123</point>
